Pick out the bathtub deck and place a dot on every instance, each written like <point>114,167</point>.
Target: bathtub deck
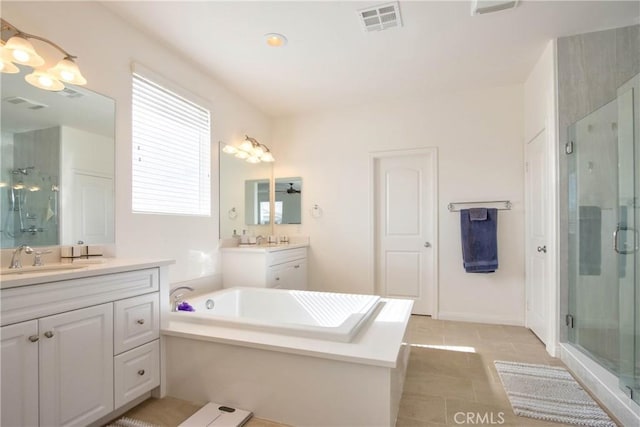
<point>377,343</point>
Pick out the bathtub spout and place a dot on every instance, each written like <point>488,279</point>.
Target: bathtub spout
<point>177,299</point>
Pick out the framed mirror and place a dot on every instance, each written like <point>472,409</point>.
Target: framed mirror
<point>244,190</point>
<point>288,201</point>
<point>56,165</point>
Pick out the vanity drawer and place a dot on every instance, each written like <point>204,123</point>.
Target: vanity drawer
<point>136,372</point>
<point>137,321</point>
<point>280,257</point>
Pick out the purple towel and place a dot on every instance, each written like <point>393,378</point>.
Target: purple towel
<point>479,242</point>
<point>478,214</point>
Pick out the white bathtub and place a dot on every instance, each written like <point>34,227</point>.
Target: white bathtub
<point>279,375</point>
<point>321,315</point>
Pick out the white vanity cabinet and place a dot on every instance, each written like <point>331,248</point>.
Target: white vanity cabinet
<point>75,350</point>
<point>58,368</point>
<point>269,267</point>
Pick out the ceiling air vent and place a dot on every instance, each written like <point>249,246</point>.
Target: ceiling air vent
<point>480,7</point>
<point>380,17</point>
<point>70,93</point>
<point>25,103</point>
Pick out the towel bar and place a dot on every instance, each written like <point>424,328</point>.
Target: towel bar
<point>506,205</point>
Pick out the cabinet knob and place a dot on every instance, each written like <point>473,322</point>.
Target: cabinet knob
<point>296,266</point>
<point>277,278</point>
<point>141,372</point>
<point>34,338</point>
<point>140,321</point>
<point>48,334</point>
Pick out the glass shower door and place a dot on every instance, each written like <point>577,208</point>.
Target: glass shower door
<point>593,216</point>
<point>626,237</point>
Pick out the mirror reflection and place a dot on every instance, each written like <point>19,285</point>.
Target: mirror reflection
<point>244,188</point>
<point>256,202</point>
<point>288,201</point>
<point>56,165</point>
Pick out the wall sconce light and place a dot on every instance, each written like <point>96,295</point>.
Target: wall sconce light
<point>250,150</point>
<point>19,50</point>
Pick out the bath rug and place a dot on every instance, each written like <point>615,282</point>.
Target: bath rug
<point>549,393</point>
<point>130,422</point>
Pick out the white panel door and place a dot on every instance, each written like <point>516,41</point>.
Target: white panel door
<point>76,366</point>
<point>19,358</point>
<point>404,194</point>
<point>537,226</point>
<point>93,208</point>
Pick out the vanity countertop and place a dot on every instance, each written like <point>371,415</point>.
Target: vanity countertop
<point>56,272</point>
<point>264,247</point>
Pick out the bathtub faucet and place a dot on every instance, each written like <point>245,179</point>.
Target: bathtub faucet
<point>177,299</point>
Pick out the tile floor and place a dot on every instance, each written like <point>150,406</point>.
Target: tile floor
<point>450,372</point>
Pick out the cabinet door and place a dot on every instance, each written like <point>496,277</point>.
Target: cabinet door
<point>76,366</point>
<point>19,357</point>
<point>297,275</point>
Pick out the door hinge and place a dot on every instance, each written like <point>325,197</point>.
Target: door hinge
<point>628,391</point>
<point>569,320</point>
<point>568,147</point>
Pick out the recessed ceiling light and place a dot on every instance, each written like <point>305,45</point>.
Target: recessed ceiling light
<point>275,40</point>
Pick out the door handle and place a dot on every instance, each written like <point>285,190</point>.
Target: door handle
<point>427,244</point>
<point>616,241</point>
<point>542,249</point>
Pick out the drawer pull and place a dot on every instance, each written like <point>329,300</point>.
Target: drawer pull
<point>48,334</point>
<point>34,338</point>
<point>141,372</point>
<point>296,266</point>
<point>277,278</point>
<point>140,321</point>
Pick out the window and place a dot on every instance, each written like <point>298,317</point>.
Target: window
<point>171,144</point>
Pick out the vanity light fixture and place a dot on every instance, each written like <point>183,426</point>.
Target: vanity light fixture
<point>250,150</point>
<point>19,50</point>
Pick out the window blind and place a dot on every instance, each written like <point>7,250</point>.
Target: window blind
<point>171,171</point>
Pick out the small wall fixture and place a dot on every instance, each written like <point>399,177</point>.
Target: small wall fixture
<point>250,150</point>
<point>19,50</point>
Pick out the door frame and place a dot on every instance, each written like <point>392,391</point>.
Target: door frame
<point>373,157</point>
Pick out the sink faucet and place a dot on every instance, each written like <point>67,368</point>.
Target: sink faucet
<point>37,257</point>
<point>16,262</point>
<point>259,240</point>
<point>177,299</point>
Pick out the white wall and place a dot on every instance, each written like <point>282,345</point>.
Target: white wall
<point>480,148</point>
<point>106,46</point>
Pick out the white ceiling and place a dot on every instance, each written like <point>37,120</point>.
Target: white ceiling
<point>330,61</point>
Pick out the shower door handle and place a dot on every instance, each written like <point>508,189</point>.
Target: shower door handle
<point>616,240</point>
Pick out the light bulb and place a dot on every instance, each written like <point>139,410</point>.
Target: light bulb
<point>242,154</point>
<point>253,159</point>
<point>67,71</point>
<point>229,149</point>
<point>258,151</point>
<point>44,80</point>
<point>267,157</point>
<point>23,52</point>
<point>246,145</point>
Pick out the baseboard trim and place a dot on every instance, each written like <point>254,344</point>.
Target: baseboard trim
<point>480,318</point>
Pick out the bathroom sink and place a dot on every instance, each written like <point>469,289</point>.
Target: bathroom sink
<point>41,269</point>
